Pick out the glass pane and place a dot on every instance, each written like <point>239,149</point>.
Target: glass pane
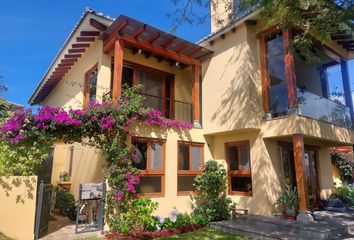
<point>183,155</point>
<point>278,96</point>
<point>156,156</point>
<point>93,86</point>
<point>196,158</point>
<point>150,184</point>
<point>185,183</point>
<point>233,158</point>
<point>241,184</point>
<point>244,161</point>
<point>151,88</point>
<point>140,155</point>
<point>335,84</point>
<point>127,76</point>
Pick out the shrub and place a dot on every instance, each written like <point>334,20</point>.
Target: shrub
<point>288,200</point>
<point>344,193</point>
<point>210,201</point>
<point>64,199</point>
<point>345,164</point>
<point>138,217</point>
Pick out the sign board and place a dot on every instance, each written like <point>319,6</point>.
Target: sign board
<point>91,191</point>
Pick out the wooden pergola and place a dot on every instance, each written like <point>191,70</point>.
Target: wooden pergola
<point>126,32</point>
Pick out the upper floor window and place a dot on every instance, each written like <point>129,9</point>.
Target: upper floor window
<point>90,94</point>
<point>149,157</point>
<point>239,168</point>
<point>190,164</point>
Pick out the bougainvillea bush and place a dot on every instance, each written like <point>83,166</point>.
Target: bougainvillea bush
<point>105,126</point>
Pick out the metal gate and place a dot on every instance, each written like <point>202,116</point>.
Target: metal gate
<point>44,194</point>
<point>42,210</point>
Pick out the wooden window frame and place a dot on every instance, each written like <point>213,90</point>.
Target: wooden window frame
<point>188,172</point>
<point>87,84</point>
<point>164,76</point>
<point>153,173</point>
<point>238,173</point>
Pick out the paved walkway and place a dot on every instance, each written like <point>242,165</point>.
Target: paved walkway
<point>62,228</point>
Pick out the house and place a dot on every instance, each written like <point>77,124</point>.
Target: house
<point>263,112</point>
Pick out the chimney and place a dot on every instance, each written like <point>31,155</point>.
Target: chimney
<point>222,12</point>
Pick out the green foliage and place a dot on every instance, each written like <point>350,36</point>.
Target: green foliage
<point>344,193</point>
<point>139,216</point>
<point>345,164</point>
<point>288,200</point>
<point>64,198</point>
<point>210,201</point>
<point>22,160</point>
<point>180,221</point>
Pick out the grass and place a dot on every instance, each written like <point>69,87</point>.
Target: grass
<point>205,234</point>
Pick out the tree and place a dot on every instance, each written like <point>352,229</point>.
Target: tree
<point>319,18</point>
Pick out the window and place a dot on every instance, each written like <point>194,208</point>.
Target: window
<point>190,163</point>
<point>90,91</point>
<point>149,157</point>
<point>239,168</point>
<point>157,86</point>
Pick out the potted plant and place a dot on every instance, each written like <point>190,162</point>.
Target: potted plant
<point>288,202</point>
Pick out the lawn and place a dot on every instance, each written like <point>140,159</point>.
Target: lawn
<point>205,234</point>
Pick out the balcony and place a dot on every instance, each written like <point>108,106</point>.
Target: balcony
<point>169,108</point>
<point>319,108</point>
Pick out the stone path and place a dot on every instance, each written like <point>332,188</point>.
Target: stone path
<point>62,228</point>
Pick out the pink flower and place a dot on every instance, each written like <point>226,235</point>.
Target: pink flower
<point>119,195</point>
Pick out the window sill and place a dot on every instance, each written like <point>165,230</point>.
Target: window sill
<point>244,194</point>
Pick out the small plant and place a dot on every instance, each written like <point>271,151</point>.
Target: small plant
<point>64,177</point>
<point>345,193</point>
<point>64,200</point>
<point>139,217</point>
<point>210,201</point>
<point>288,201</point>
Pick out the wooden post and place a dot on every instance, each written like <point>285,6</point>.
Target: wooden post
<point>195,95</point>
<point>347,88</point>
<point>264,73</point>
<point>289,69</point>
<point>118,69</point>
<point>299,157</point>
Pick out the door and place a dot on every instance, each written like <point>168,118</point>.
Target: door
<point>312,178</point>
<point>311,173</point>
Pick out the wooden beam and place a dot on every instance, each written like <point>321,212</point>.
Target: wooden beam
<point>145,46</point>
<point>85,39</point>
<point>251,22</point>
<point>77,50</point>
<point>68,60</point>
<point>110,41</point>
<point>264,73</point>
<point>89,33</point>
<point>118,69</point>
<point>196,92</point>
<point>98,25</point>
<point>194,52</point>
<point>80,45</point>
<point>72,55</point>
<point>300,170</point>
<point>139,31</point>
<point>290,75</point>
<point>65,64</point>
<point>154,38</point>
<point>168,42</point>
<point>148,55</point>
<point>181,47</point>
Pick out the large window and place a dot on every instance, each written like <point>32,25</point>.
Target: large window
<point>90,91</point>
<point>149,157</point>
<point>239,168</point>
<point>157,86</point>
<point>190,163</point>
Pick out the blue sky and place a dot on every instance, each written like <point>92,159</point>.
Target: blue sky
<point>32,33</point>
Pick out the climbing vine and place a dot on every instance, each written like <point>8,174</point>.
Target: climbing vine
<point>345,164</point>
<point>105,126</point>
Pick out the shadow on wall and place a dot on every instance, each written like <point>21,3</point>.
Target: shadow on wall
<point>23,186</point>
<point>240,104</point>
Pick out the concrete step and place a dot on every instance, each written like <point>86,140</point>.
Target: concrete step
<point>274,228</point>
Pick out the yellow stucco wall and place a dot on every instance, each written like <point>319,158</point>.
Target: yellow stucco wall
<point>18,206</point>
